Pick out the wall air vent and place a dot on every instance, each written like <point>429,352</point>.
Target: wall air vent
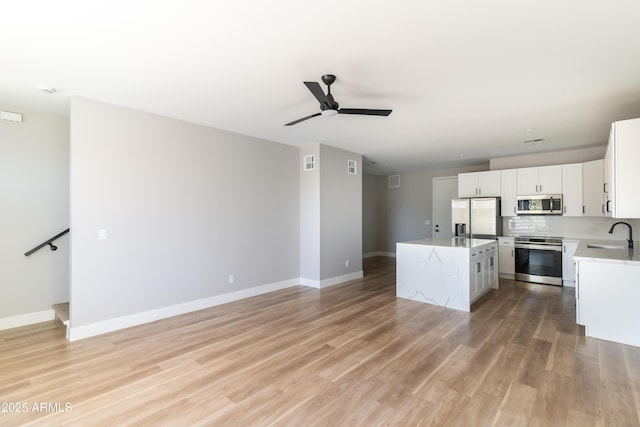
<point>12,117</point>
<point>394,181</point>
<point>352,167</point>
<point>309,162</point>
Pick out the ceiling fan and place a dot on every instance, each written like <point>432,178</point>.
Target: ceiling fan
<point>328,105</point>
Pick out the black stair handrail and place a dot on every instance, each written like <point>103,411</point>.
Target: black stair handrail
<point>48,242</point>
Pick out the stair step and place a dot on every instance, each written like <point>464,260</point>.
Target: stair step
<point>62,312</point>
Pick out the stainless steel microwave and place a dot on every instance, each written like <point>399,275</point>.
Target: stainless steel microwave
<point>539,204</point>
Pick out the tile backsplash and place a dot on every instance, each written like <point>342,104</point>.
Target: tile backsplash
<point>568,227</point>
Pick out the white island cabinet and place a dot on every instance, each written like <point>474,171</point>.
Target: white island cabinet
<point>608,291</point>
<point>448,272</point>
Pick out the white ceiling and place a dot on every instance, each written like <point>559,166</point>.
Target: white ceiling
<point>461,76</point>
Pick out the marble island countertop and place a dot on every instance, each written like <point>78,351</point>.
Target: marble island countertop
<point>622,256</point>
<point>451,242</point>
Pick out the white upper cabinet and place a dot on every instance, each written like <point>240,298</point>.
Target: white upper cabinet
<point>540,180</point>
<point>479,184</point>
<point>572,189</point>
<point>467,185</point>
<point>508,192</point>
<point>527,180</point>
<point>623,172</point>
<point>593,188</point>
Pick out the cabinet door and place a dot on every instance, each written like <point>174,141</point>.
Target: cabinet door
<point>493,269</point>
<point>572,189</point>
<point>485,273</point>
<point>468,184</point>
<point>489,184</point>
<point>550,179</point>
<point>608,174</point>
<point>527,182</point>
<point>626,173</point>
<point>506,261</point>
<point>508,190</point>
<point>593,188</point>
<point>568,267</point>
<point>475,277</point>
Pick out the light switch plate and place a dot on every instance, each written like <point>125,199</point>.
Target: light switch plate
<point>102,234</point>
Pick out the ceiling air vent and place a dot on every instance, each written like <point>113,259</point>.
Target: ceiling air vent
<point>309,162</point>
<point>352,167</point>
<point>394,181</point>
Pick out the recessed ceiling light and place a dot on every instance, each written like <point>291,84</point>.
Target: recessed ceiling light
<point>46,89</point>
<point>529,129</point>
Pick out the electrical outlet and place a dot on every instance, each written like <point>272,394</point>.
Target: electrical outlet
<point>231,279</point>
<point>102,234</point>
<point>346,264</point>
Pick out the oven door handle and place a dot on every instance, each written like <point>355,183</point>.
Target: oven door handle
<point>553,248</point>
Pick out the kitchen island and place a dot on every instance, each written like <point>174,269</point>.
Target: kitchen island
<point>608,290</point>
<point>447,272</point>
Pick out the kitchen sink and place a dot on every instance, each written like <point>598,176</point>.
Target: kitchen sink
<point>605,246</point>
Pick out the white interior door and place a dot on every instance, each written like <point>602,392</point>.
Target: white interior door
<point>444,190</point>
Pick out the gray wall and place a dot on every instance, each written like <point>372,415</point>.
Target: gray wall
<point>340,213</point>
<point>370,207</point>
<point>403,210</point>
<point>34,200</point>
<point>310,215</point>
<point>184,207</point>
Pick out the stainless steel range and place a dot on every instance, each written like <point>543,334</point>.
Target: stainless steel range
<point>539,259</point>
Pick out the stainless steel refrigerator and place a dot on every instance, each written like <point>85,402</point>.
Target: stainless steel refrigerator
<point>477,218</point>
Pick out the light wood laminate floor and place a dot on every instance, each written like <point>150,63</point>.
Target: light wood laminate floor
<point>343,356</point>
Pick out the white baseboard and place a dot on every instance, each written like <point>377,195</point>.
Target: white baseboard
<point>26,319</point>
<point>110,325</point>
<point>325,283</point>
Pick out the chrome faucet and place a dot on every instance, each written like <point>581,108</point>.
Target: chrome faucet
<point>630,239</point>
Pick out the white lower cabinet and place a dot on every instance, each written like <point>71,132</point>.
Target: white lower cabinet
<point>483,271</point>
<point>475,276</point>
<point>607,295</point>
<point>568,266</point>
<point>506,256</point>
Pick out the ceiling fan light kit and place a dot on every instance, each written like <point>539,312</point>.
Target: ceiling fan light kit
<point>329,106</point>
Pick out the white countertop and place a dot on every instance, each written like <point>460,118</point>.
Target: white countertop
<point>623,256</point>
<point>451,242</point>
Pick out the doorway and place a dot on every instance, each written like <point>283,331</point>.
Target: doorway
<point>444,189</point>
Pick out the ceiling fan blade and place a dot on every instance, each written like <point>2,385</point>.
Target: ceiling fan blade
<point>303,119</point>
<point>316,90</point>
<point>364,111</point>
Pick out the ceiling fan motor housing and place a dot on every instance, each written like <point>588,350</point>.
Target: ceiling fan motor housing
<point>334,106</point>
